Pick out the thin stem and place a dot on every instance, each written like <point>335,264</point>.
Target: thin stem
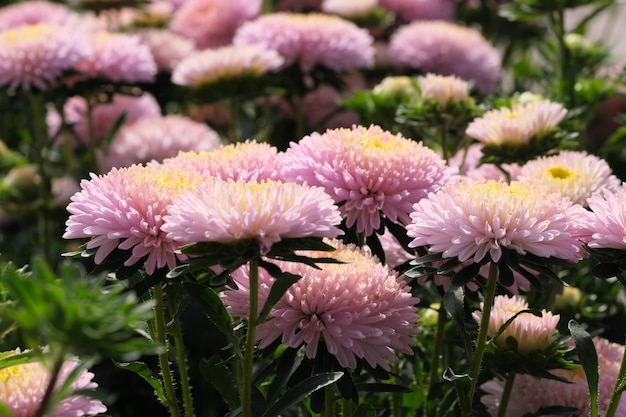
<point>234,135</point>
<point>346,407</point>
<point>245,389</point>
<point>54,376</point>
<point>299,115</point>
<point>481,342</point>
<point>92,159</point>
<point>396,397</point>
<point>329,402</point>
<point>443,139</point>
<point>161,338</point>
<point>616,395</point>
<point>506,394</point>
<point>434,361</point>
<point>181,360</point>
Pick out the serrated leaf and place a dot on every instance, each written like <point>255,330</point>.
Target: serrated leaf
<point>588,358</point>
<point>217,374</point>
<point>140,369</point>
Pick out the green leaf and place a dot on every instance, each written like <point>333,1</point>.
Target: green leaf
<point>19,359</point>
<point>465,275</point>
<point>381,387</point>
<point>302,391</point>
<point>5,411</point>
<point>144,372</point>
<point>588,359</point>
<point>606,270</point>
<point>217,373</point>
<point>510,320</point>
<point>554,410</point>
<point>279,288</point>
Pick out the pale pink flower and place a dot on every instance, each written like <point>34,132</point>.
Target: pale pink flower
<point>577,175</point>
<point>38,55</point>
<point>447,49</point>
<point>212,23</point>
<point>469,165</point>
<point>395,254</point>
<point>443,89</point>
<point>125,209</point>
<point>517,125</point>
<point>530,393</point>
<point>372,172</point>
<point>229,62</point>
<point>154,139</point>
<point>242,161</point>
<point>310,40</point>
<point>607,220</point>
<point>359,309</point>
<point>349,9</point>
<point>267,211</point>
<point>471,220</point>
<point>22,388</point>
<point>167,48</point>
<point>38,11</point>
<point>421,9</point>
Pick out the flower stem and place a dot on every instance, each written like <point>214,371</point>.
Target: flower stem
<point>506,394</point>
<point>245,388</point>
<point>481,342</point>
<point>181,360</point>
<point>329,401</point>
<point>616,395</point>
<point>434,361</point>
<point>161,338</point>
<point>234,135</point>
<point>346,407</point>
<point>47,397</point>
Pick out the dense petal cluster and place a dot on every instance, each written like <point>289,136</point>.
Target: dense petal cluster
<point>154,139</point>
<point>371,172</point>
<point>473,220</point>
<point>421,9</point>
<point>234,61</point>
<point>607,220</point>
<point>267,211</point>
<point>447,49</point>
<point>517,125</point>
<point>359,309</point>
<point>310,40</point>
<point>348,8</point>
<point>125,209</point>
<point>38,11</point>
<point>36,56</point>
<point>22,388</point>
<point>531,394</point>
<point>577,175</point>
<point>166,47</point>
<point>443,89</point>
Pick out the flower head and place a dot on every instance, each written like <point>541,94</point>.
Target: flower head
<point>473,220</point>
<point>38,11</point>
<point>167,48</point>
<point>447,49</point>
<point>576,175</point>
<point>348,8</point>
<point>373,172</point>
<point>36,56</point>
<point>22,388</point>
<point>359,309</point>
<point>125,209</point>
<point>154,139</point>
<point>229,62</point>
<point>607,222</point>
<point>443,89</point>
<point>421,9</point>
<point>310,40</point>
<point>268,211</point>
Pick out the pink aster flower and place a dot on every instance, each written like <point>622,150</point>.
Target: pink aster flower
<point>532,333</point>
<point>310,40</point>
<point>154,139</point>
<point>22,388</point>
<point>421,9</point>
<point>443,89</point>
<point>267,211</point>
<point>117,57</point>
<point>38,11</point>
<point>349,9</point>
<point>234,61</point>
<point>473,220</point>
<point>576,175</point>
<point>359,309</point>
<point>607,222</point>
<point>531,394</point>
<point>104,115</point>
<point>518,125</point>
<point>212,23</point>
<point>167,48</point>
<point>243,161</point>
<point>469,165</point>
<point>125,209</point>
<point>447,49</point>
<point>374,173</point>
<point>36,56</point>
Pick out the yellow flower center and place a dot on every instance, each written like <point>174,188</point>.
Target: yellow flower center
<point>561,172</point>
<point>27,33</point>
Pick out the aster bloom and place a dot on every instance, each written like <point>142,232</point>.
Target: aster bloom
<point>359,309</point>
<point>242,161</point>
<point>421,9</point>
<point>372,172</point>
<point>391,86</point>
<point>447,49</point>
<point>22,389</point>
<point>474,220</point>
<point>167,48</point>
<point>607,222</point>
<point>310,40</point>
<point>125,209</point>
<point>531,394</point>
<point>212,23</point>
<point>34,12</point>
<point>229,62</point>
<point>348,8</point>
<point>36,56</point>
<point>443,89</point>
<point>267,211</point>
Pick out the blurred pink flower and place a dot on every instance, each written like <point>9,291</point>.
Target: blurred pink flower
<point>447,49</point>
<point>468,163</point>
<point>36,56</point>
<point>349,9</point>
<point>374,173</point>
<point>125,209</point>
<point>167,48</point>
<point>267,211</point>
<point>421,9</point>
<point>577,175</point>
<point>359,309</point>
<point>154,139</point>
<point>607,220</point>
<point>212,23</point>
<point>310,40</point>
<point>22,388</point>
<point>471,220</point>
<point>38,11</point>
<point>229,62</point>
<point>443,89</point>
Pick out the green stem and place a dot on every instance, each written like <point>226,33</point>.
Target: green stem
<point>346,407</point>
<point>234,134</point>
<point>329,401</point>
<point>161,338</point>
<point>57,364</point>
<point>248,360</point>
<point>481,342</point>
<point>506,394</point>
<point>616,395</point>
<point>434,361</point>
<point>181,360</point>
<point>299,115</point>
<point>92,158</point>
<point>396,397</point>
<point>443,139</point>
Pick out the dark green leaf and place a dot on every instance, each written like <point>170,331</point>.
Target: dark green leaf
<point>285,366</point>
<point>588,359</point>
<point>510,320</point>
<point>427,259</point>
<point>278,289</point>
<point>19,359</point>
<point>505,275</point>
<point>144,372</point>
<point>606,270</point>
<point>380,387</point>
<point>554,410</point>
<point>449,375</point>
<point>465,275</point>
<point>217,373</point>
